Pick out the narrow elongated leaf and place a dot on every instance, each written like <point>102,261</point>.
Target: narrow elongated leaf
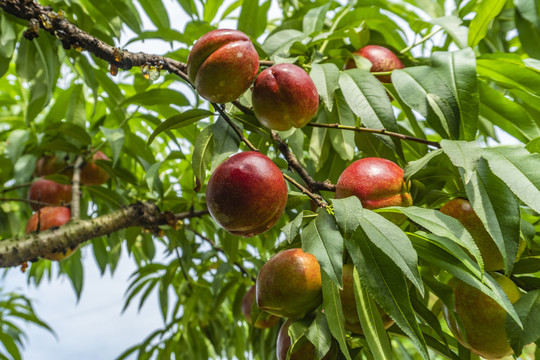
<point>528,309</point>
<point>342,141</point>
<point>325,77</point>
<point>464,155</point>
<point>424,90</point>
<point>253,17</point>
<point>177,121</point>
<point>369,101</point>
<point>394,243</point>
<point>348,213</point>
<point>334,313</point>
<point>498,208</point>
<point>202,152</point>
<point>314,19</point>
<point>444,225</point>
<point>115,138</point>
<point>528,25</point>
<point>509,70</point>
<point>414,166</point>
<point>371,321</point>
<point>458,69</point>
<point>226,142</point>
<point>158,97</point>
<point>519,170</point>
<point>386,283</point>
<point>157,12</point>
<point>486,12</point>
<point>319,335</point>
<point>322,239</point>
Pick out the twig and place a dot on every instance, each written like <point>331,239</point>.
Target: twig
<point>317,198</point>
<point>15,187</point>
<point>28,201</point>
<point>266,63</point>
<point>422,40</point>
<point>238,132</point>
<point>221,250</point>
<point>293,162</point>
<point>76,189</point>
<point>378,131</point>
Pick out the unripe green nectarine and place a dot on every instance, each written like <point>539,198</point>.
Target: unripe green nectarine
<point>284,96</point>
<point>222,65</point>
<point>289,284</point>
<point>246,194</point>
<point>483,320</point>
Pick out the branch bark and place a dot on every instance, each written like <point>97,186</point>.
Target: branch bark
<point>17,250</point>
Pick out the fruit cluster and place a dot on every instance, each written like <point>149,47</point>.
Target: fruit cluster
<point>246,195</point>
<point>49,198</point>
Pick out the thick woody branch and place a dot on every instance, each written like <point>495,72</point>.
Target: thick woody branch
<point>17,250</point>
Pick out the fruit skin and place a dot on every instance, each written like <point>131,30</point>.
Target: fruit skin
<point>348,303</point>
<point>247,303</point>
<point>49,192</point>
<point>284,96</point>
<point>483,320</point>
<point>462,210</point>
<point>48,165</point>
<point>222,65</point>
<point>50,216</point>
<point>381,59</point>
<point>289,284</point>
<point>246,194</point>
<point>305,352</point>
<point>377,182</point>
<point>91,173</point>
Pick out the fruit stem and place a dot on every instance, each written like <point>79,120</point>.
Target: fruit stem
<point>422,40</point>
<point>378,131</point>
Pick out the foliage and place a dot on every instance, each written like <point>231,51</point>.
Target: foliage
<point>471,83</point>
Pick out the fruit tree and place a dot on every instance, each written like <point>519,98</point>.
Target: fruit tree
<point>293,179</point>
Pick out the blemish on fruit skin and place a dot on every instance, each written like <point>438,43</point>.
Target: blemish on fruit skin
<point>239,54</point>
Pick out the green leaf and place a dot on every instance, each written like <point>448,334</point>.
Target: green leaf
<point>394,243</point>
<point>368,100</point>
<point>464,155</point>
<point>509,70</point>
<point>177,121</point>
<point>292,228</point>
<point>158,97</point>
<point>156,12</point>
<point>487,10</point>
<point>458,69</point>
<point>253,17</point>
<point>527,19</point>
<point>322,239</point>
<point>519,170</point>
<point>334,313</point>
<point>498,209</point>
<point>424,90</point>
<point>325,77</point>
<point>152,178</point>
<point>202,152</point>
<point>528,310</point>
<point>278,43</point>
<point>116,138</point>
<point>386,284</point>
<point>453,26</point>
<point>319,335</point>
<point>10,345</point>
<point>415,166</point>
<point>226,142</point>
<point>371,321</point>
<point>72,131</point>
<point>444,225</point>
<point>314,19</point>
<point>507,114</point>
<point>342,141</point>
<point>348,213</point>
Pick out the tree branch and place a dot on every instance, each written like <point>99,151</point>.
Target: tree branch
<point>17,250</point>
<point>76,189</point>
<point>378,131</point>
